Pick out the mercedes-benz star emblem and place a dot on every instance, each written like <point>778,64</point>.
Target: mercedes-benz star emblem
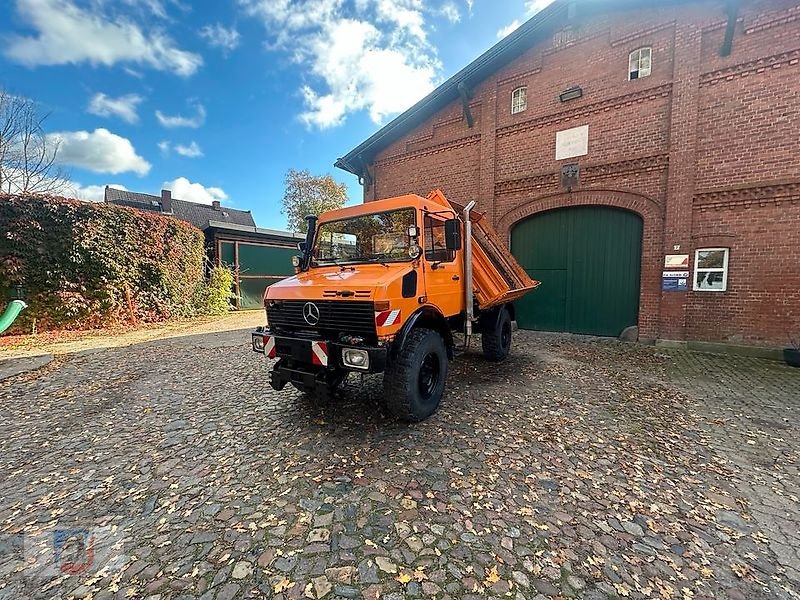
<point>311,313</point>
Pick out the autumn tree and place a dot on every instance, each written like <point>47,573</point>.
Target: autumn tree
<point>308,194</point>
<point>27,154</point>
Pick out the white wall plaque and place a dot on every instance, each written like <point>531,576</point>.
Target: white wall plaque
<point>572,142</point>
<point>676,261</point>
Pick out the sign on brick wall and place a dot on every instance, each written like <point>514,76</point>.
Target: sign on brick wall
<point>572,142</point>
<point>675,281</point>
<point>676,261</point>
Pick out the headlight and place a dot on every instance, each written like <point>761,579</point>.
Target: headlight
<point>296,262</point>
<point>258,343</point>
<point>357,359</point>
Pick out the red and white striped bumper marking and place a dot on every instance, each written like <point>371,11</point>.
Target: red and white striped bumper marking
<point>387,317</point>
<point>269,346</point>
<point>319,353</point>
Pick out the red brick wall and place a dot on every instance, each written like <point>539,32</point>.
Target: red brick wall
<point>706,149</point>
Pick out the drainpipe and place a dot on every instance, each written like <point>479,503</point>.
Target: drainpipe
<point>468,271</point>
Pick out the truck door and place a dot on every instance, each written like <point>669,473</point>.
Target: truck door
<point>443,269</point>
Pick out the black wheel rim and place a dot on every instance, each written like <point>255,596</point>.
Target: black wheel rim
<point>429,374</point>
<point>505,336</point>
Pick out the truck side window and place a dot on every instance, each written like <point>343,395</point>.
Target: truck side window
<point>435,249</point>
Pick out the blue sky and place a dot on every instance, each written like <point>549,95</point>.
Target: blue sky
<point>217,99</point>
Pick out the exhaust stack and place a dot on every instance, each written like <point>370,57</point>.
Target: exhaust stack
<point>468,271</point>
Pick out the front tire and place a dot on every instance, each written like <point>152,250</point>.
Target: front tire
<point>496,336</point>
<point>414,381</point>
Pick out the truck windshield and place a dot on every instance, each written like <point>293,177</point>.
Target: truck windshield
<point>379,237</point>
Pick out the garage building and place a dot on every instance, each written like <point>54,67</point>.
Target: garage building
<point>642,158</point>
<point>258,257</point>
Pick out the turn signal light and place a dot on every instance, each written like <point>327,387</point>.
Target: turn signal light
<point>382,305</point>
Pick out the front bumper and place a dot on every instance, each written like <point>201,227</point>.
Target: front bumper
<point>315,352</point>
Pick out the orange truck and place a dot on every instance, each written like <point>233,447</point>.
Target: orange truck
<point>383,287</point>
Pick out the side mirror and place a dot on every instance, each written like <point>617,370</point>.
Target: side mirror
<point>301,246</point>
<point>413,231</point>
<point>452,234</point>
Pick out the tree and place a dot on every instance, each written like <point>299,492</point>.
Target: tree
<point>27,154</point>
<point>307,194</point>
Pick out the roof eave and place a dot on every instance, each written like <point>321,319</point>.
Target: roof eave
<point>502,52</point>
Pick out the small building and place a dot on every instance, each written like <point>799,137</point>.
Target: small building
<point>642,158</point>
<point>258,257</point>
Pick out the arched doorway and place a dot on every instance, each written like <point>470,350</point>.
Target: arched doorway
<point>588,259</point>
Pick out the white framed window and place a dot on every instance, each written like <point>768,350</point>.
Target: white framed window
<point>519,100</point>
<point>639,63</point>
<point>711,270</point>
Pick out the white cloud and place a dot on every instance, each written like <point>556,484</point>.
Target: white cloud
<point>93,193</point>
<point>511,27</point>
<point>147,7</point>
<point>123,107</point>
<point>183,189</point>
<point>190,151</point>
<point>100,151</point>
<point>69,34</point>
<point>375,57</point>
<point>220,37</point>
<point>534,6</point>
<point>450,12</point>
<point>163,146</point>
<point>173,121</point>
<point>531,8</point>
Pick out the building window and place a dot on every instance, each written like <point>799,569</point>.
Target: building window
<point>711,270</point>
<point>639,63</point>
<point>519,100</point>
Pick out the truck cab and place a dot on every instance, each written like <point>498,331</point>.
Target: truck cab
<point>380,288</point>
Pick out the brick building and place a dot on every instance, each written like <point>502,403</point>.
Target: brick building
<point>642,158</point>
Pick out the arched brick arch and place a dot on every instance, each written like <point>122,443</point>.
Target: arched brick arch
<point>652,214</point>
<point>643,205</point>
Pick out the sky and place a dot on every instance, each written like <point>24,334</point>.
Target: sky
<point>217,99</point>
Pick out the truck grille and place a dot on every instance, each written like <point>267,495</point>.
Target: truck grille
<point>335,317</point>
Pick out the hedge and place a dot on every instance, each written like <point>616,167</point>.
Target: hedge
<point>86,265</point>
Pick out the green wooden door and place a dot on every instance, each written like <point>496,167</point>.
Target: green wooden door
<point>257,266</point>
<point>588,259</point>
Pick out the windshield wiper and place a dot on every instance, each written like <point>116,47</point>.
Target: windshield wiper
<point>379,260</point>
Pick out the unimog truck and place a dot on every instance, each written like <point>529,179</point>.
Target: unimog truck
<point>382,287</point>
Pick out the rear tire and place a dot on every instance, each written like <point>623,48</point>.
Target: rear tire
<point>496,335</point>
<point>414,381</point>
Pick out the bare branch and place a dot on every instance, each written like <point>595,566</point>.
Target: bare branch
<point>27,156</point>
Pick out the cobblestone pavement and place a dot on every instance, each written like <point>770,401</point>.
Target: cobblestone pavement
<point>577,468</point>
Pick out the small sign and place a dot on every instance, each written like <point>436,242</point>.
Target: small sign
<point>676,261</point>
<point>674,284</point>
<point>679,274</point>
<point>572,142</point>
